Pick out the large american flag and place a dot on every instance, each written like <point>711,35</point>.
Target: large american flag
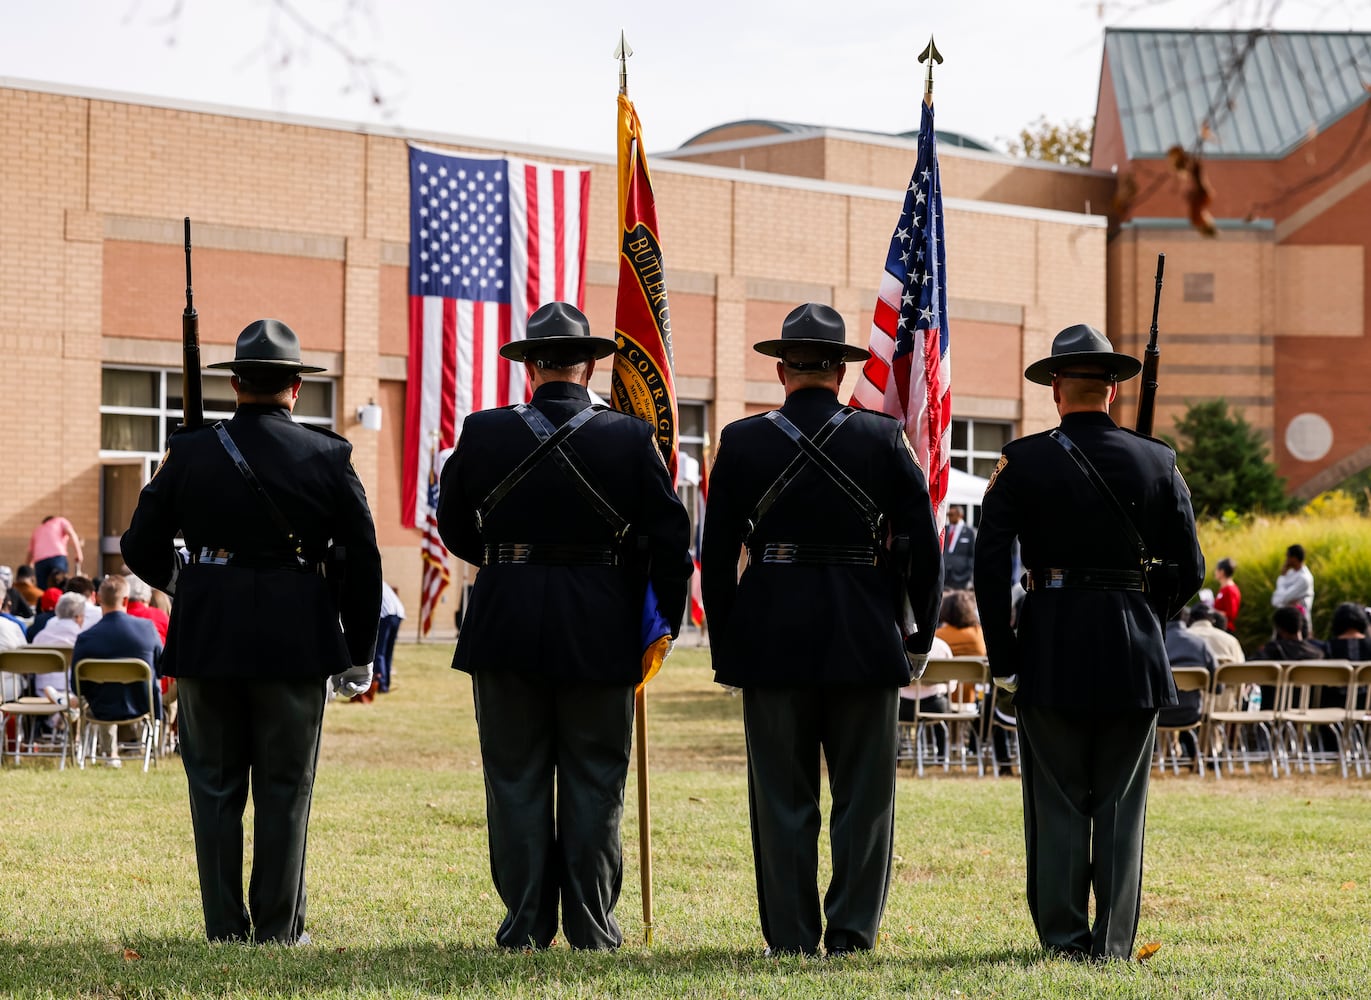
<point>490,240</point>
<point>909,374</point>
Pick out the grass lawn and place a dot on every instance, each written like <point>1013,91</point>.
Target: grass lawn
<point>1254,887</point>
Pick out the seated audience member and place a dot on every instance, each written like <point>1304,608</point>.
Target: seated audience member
<point>62,629</point>
<point>1347,639</point>
<point>27,586</point>
<point>19,604</point>
<point>959,626</point>
<point>11,632</point>
<point>932,697</point>
<point>139,596</point>
<point>1185,649</point>
<point>57,578</point>
<point>1287,644</point>
<point>47,604</point>
<point>115,636</point>
<point>84,585</point>
<point>1204,625</point>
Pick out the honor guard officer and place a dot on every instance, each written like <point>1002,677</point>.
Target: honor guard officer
<point>834,513</point>
<point>568,510</point>
<point>1108,536</point>
<point>267,507</point>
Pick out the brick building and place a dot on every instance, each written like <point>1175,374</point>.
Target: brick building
<point>307,221</point>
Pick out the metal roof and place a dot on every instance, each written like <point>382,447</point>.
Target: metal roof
<point>945,137</point>
<point>1260,92</point>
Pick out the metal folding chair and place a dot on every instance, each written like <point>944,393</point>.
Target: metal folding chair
<point>18,668</point>
<point>118,671</point>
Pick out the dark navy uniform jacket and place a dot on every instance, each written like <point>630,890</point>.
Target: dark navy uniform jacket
<point>805,625</point>
<point>261,617</point>
<point>570,622</point>
<point>1077,648</point>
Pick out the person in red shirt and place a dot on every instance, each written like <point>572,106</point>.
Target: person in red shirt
<point>139,596</point>
<point>1229,597</point>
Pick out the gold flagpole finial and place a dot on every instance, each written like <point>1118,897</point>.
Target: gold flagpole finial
<point>621,52</point>
<point>930,55</point>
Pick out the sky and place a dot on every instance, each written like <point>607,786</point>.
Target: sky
<point>542,73</point>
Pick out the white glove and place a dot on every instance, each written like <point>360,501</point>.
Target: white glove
<point>918,663</point>
<point>1009,682</point>
<point>353,680</point>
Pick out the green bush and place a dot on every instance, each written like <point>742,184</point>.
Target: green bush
<point>1337,545</point>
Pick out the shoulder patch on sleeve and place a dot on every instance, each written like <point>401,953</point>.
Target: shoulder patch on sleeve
<point>999,466</point>
<point>904,440</point>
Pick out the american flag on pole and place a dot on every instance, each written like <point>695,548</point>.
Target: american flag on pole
<point>490,240</point>
<point>909,373</point>
<point>436,576</point>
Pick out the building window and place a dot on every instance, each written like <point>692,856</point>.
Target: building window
<point>693,431</point>
<point>976,447</point>
<point>140,407</point>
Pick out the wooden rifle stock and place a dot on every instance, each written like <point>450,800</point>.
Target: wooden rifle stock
<point>192,398</point>
<point>1147,398</point>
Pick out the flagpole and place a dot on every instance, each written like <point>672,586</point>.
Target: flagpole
<point>621,52</point>
<point>929,55</point>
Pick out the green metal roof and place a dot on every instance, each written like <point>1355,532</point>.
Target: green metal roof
<point>1260,92</point>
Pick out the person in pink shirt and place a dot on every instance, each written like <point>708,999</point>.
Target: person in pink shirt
<point>48,547</point>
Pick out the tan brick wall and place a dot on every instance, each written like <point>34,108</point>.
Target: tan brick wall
<point>325,250</point>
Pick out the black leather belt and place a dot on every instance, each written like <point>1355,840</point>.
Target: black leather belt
<point>814,554</point>
<point>1086,579</point>
<point>550,554</point>
<point>224,557</point>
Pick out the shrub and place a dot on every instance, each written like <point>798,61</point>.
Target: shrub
<point>1337,545</point>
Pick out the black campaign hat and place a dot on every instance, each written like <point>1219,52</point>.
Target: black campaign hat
<point>1082,345</point>
<point>813,325</point>
<point>267,345</point>
<point>557,323</point>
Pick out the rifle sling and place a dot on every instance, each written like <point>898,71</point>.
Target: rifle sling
<point>1102,488</point>
<point>277,518</point>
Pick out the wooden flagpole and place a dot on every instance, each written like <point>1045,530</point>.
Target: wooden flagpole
<point>621,53</point>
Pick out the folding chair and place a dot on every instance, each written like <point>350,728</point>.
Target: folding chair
<point>957,725</point>
<point>1359,716</point>
<point>1231,722</point>
<point>118,671</point>
<point>1296,715</point>
<point>18,668</point>
<point>1169,737</point>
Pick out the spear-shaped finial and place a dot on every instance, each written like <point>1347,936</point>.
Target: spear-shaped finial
<point>621,52</point>
<point>930,55</point>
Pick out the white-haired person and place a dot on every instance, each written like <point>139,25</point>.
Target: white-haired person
<point>61,630</point>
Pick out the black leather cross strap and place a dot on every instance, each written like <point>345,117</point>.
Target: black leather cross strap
<point>811,450</point>
<point>546,443</point>
<point>1102,488</point>
<point>550,441</point>
<point>277,518</point>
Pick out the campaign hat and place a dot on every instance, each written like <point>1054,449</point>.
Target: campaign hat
<point>1083,345</point>
<point>267,345</point>
<point>555,324</point>
<point>813,325</point>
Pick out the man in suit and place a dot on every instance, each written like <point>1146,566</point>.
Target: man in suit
<point>255,629</point>
<point>117,635</point>
<point>1088,662</point>
<point>837,543</point>
<point>959,550</point>
<point>566,535</point>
